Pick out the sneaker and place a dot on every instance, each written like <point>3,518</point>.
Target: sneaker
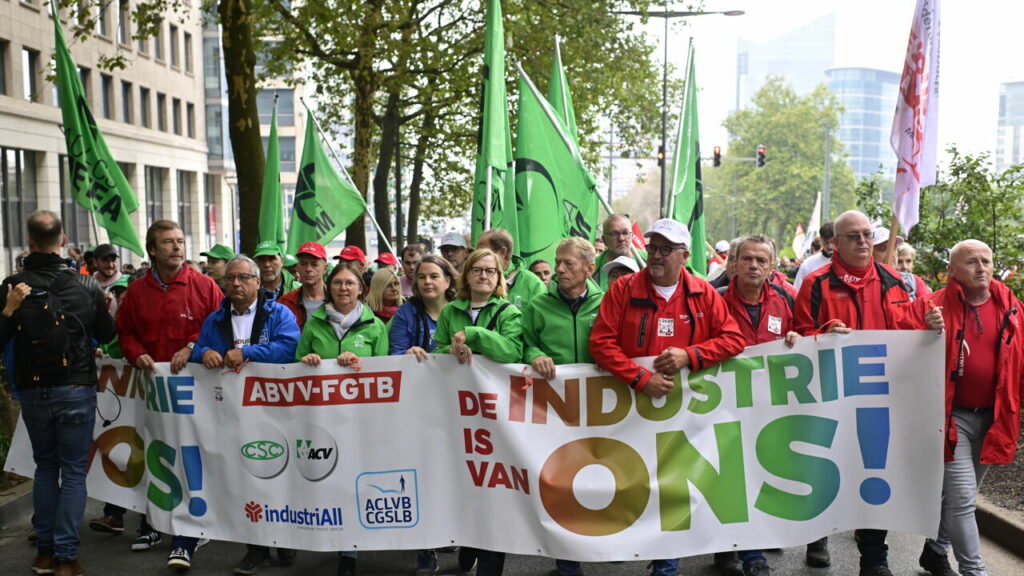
<point>728,563</point>
<point>346,566</point>
<point>108,525</point>
<point>757,568</point>
<point>180,559</point>
<point>426,562</point>
<point>286,556</point>
<point>935,563</point>
<point>254,559</point>
<point>875,571</point>
<point>43,564</point>
<point>817,554</point>
<point>73,568</point>
<point>467,559</point>
<point>146,540</point>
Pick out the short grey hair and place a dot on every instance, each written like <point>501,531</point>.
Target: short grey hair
<point>583,248</point>
<point>243,259</point>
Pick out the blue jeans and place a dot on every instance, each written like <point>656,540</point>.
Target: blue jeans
<point>664,567</point>
<point>60,422</point>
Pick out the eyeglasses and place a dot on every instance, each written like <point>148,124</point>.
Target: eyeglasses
<point>622,234</point>
<point>345,283</point>
<point>867,236</point>
<point>240,277</point>
<point>665,251</point>
<point>477,270</point>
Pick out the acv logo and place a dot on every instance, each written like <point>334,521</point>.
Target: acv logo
<point>316,453</point>
<point>263,450</point>
<point>254,512</point>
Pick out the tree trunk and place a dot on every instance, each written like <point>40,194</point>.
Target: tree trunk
<point>419,159</point>
<point>381,200</point>
<point>243,116</point>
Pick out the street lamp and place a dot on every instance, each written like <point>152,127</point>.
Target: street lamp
<point>668,15</point>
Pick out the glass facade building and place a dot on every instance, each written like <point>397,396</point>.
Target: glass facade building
<point>868,97</point>
<point>1009,148</point>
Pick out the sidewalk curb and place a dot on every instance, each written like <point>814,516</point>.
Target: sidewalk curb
<point>1003,526</point>
<point>15,505</point>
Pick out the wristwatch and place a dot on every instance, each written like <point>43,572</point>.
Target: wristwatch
<point>190,345</point>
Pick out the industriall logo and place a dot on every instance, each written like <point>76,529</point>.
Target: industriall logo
<point>325,518</point>
<point>388,499</point>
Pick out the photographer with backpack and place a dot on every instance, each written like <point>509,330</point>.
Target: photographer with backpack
<point>54,315</point>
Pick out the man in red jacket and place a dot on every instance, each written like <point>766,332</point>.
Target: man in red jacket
<point>984,379</point>
<point>663,311</point>
<point>159,321</point>
<point>853,292</point>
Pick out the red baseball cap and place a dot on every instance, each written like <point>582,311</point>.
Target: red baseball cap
<point>313,249</point>
<point>352,253</point>
<point>387,258</point>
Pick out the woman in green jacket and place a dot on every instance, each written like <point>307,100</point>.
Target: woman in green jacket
<point>344,327</point>
<point>481,321</point>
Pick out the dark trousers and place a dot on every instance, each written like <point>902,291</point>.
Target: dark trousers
<point>490,563</point>
<point>873,549</point>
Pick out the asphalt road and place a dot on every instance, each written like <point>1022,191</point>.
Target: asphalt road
<point>111,556</point>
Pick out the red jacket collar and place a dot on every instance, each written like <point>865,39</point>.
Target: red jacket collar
<point>643,287</point>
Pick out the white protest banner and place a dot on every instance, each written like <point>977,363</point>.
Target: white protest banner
<point>773,448</point>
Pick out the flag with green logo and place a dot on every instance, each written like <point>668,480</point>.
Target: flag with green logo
<point>325,203</point>
<point>97,182</point>
<point>494,195</point>
<point>271,223</point>
<point>558,191</point>
<point>686,194</point>
<point>560,97</point>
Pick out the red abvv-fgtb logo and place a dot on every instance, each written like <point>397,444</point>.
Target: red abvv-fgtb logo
<point>329,390</point>
<point>254,512</point>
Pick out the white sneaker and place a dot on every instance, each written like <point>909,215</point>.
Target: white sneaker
<point>146,541</point>
<point>179,559</point>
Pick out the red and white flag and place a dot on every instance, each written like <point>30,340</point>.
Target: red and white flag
<point>915,126</point>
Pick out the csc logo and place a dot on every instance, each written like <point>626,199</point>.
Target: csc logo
<point>263,450</point>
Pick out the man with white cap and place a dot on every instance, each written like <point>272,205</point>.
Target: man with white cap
<point>666,312</point>
<point>454,249</point>
<point>880,243</point>
<point>621,266</point>
<point>717,261</point>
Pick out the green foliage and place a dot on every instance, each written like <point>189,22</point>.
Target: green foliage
<point>871,201</point>
<point>971,201</point>
<point>773,199</point>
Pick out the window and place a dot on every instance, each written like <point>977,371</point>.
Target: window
<point>158,44</point>
<point>286,148</point>
<point>190,120</point>
<point>126,103</point>
<point>124,23</point>
<point>185,201</point>
<point>212,68</point>
<point>161,112</point>
<point>102,23</point>
<point>210,186</point>
<point>173,40</point>
<point>285,106</point>
<point>30,75</point>
<point>145,117</point>
<point>18,197</point>
<point>176,115</point>
<point>76,219</point>
<point>106,96</point>
<point>4,48</point>
<point>214,133</point>
<point>85,75</point>
<point>188,52</point>
<point>154,193</point>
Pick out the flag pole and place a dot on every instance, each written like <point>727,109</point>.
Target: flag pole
<point>569,144</point>
<point>671,195</point>
<point>323,138</point>
<point>487,198</point>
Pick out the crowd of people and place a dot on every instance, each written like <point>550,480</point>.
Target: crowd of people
<point>609,308</point>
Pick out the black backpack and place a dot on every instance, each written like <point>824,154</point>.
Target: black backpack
<point>43,349</point>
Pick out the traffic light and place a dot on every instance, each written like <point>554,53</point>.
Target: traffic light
<point>716,159</point>
<point>661,155</point>
<point>762,152</point>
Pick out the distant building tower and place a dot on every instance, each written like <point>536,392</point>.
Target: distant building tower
<point>868,97</point>
<point>1009,145</point>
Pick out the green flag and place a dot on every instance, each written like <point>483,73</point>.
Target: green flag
<point>325,204</point>
<point>558,190</point>
<point>494,149</point>
<point>686,194</point>
<point>271,225</point>
<point>97,182</point>
<point>560,97</point>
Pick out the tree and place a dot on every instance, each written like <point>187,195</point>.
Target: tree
<point>971,200</point>
<point>773,199</point>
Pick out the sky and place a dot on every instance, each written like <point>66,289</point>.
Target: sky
<point>981,47</point>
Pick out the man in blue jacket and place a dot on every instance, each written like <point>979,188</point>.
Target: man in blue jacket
<point>248,327</point>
